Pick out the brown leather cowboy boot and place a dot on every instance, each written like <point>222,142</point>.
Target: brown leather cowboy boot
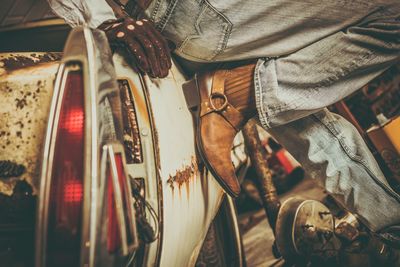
<point>223,104</point>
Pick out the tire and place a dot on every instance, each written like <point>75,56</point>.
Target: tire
<point>222,245</point>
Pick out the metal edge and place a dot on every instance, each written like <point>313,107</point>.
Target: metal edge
<point>235,228</point>
<point>159,180</point>
<point>47,162</point>
<point>70,55</point>
<point>118,201</point>
<point>91,157</point>
<point>119,148</point>
<point>148,154</point>
<point>149,160</point>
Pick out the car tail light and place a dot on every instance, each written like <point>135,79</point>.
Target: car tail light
<point>122,179</point>
<point>67,175</point>
<point>120,234</point>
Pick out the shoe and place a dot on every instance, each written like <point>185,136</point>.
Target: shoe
<point>218,121</point>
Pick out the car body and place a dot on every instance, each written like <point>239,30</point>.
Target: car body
<point>134,132</point>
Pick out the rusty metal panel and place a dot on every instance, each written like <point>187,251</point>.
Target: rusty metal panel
<point>26,85</point>
<point>187,196</point>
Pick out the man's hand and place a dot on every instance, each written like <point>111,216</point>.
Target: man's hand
<point>147,46</point>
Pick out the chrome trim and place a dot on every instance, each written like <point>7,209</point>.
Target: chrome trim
<point>73,53</point>
<point>155,158</point>
<point>91,126</point>
<point>119,148</point>
<point>47,163</point>
<point>86,46</point>
<point>235,228</point>
<point>119,199</point>
<point>149,168</point>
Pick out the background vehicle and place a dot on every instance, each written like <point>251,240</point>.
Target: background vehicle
<point>56,104</point>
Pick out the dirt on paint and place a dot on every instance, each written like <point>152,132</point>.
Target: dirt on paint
<point>26,90</point>
<point>10,169</point>
<point>12,62</point>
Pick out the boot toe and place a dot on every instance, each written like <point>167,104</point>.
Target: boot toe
<point>216,138</point>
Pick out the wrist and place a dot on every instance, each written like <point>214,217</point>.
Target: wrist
<point>106,25</point>
<point>143,4</point>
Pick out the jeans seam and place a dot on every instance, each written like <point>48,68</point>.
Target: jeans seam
<point>163,22</point>
<point>358,160</point>
<point>262,114</point>
<point>155,11</point>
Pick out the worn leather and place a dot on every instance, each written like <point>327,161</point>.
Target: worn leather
<point>145,45</point>
<point>217,129</point>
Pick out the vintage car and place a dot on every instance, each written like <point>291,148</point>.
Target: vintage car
<point>98,165</point>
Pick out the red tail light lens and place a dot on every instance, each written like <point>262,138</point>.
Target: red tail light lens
<point>73,191</point>
<point>114,232</point>
<point>124,193</point>
<point>66,186</point>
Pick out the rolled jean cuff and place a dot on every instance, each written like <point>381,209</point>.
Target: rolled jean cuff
<point>274,108</point>
<point>260,95</point>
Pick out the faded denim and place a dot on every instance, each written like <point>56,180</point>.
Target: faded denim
<point>311,54</point>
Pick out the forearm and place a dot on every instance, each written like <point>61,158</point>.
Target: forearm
<point>148,49</point>
<point>82,12</point>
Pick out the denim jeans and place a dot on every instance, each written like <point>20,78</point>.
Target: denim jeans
<point>311,54</point>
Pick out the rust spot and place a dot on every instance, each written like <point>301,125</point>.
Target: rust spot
<point>156,145</point>
<point>152,124</point>
<point>21,125</point>
<point>183,176</point>
<point>132,139</point>
<point>11,169</point>
<point>14,62</point>
<point>139,101</point>
<point>21,103</point>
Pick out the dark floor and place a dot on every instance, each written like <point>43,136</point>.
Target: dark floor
<point>257,234</point>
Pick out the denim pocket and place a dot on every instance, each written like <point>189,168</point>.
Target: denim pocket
<point>199,31</point>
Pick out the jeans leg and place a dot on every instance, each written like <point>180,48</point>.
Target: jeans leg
<point>299,84</point>
<point>332,151</point>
